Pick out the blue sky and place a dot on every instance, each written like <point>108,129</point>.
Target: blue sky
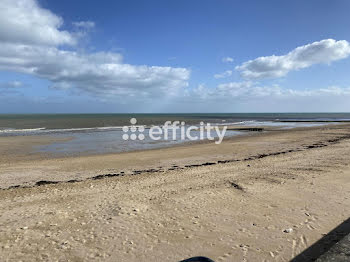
<point>174,56</point>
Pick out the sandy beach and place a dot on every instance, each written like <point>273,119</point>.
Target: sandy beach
<point>266,196</point>
<point>174,131</point>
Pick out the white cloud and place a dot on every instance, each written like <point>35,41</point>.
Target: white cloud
<point>100,73</point>
<point>223,75</point>
<point>25,22</point>
<point>223,91</point>
<point>29,40</point>
<point>230,92</point>
<point>84,24</point>
<point>227,59</point>
<point>82,28</point>
<point>253,97</point>
<point>322,52</point>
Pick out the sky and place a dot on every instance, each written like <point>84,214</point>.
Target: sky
<point>174,56</point>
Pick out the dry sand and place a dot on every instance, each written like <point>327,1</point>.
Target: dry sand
<point>233,206</point>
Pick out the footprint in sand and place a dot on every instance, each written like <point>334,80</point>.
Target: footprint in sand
<point>225,257</point>
<point>298,245</point>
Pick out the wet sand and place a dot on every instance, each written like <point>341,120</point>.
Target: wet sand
<point>262,197</point>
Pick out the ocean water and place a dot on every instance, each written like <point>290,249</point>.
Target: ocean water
<point>112,142</point>
<point>32,123</point>
<point>103,133</point>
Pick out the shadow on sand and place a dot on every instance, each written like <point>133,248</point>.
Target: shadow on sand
<point>197,259</point>
<point>335,246</point>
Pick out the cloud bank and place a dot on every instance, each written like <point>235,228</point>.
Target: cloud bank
<point>31,42</point>
<point>247,90</point>
<point>322,52</point>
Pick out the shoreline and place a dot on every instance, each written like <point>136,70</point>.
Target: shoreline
<point>30,141</point>
<point>38,168</point>
<point>176,167</point>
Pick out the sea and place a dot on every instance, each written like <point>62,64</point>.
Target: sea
<point>103,133</point>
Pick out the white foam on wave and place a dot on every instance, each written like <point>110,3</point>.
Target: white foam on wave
<point>44,130</point>
<point>85,129</point>
<point>13,130</point>
<point>248,122</point>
